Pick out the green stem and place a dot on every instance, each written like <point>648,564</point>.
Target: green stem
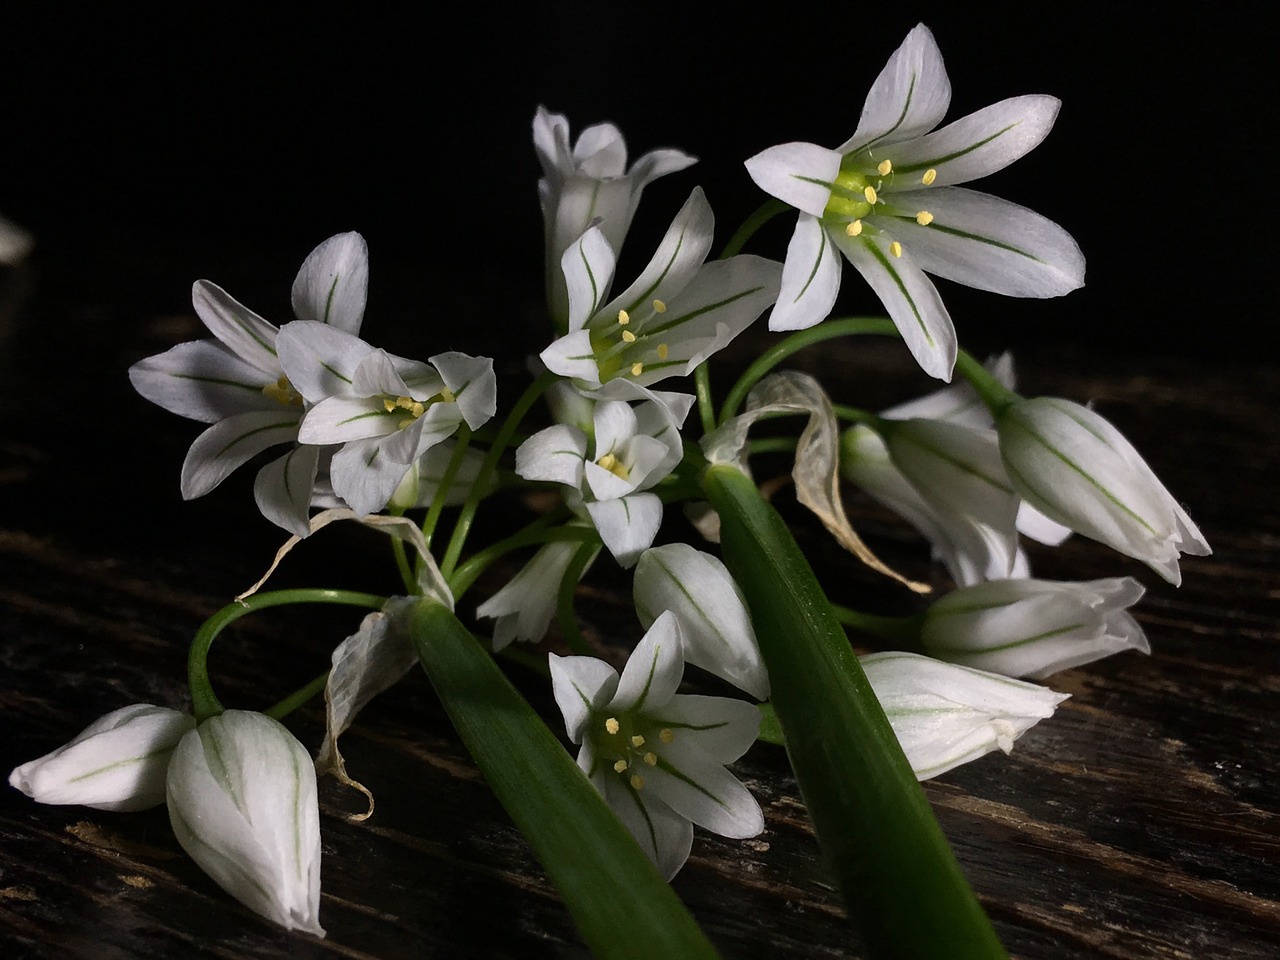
<point>402,564</point>
<point>296,699</point>
<point>204,702</point>
<point>901,629</point>
<point>622,906</point>
<point>706,405</point>
<point>994,394</point>
<point>763,214</point>
<point>468,512</point>
<point>827,330</point>
<point>564,599</point>
<point>535,535</point>
<point>446,482</point>
<point>855,414</point>
<point>901,881</point>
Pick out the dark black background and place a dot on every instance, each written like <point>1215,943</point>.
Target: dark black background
<point>214,142</point>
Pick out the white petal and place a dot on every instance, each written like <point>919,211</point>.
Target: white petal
<point>340,419</point>
<point>551,142</point>
<point>697,787</point>
<point>989,244</point>
<point>525,606</point>
<point>363,477</point>
<point>683,249</point>
<point>653,671</point>
<point>664,835</point>
<point>799,174</point>
<point>600,151</point>
<point>588,270</point>
<point>555,454</point>
<point>247,335</point>
<point>722,728</point>
<point>912,301</point>
<point>319,360</point>
<point>810,278</point>
<point>332,285</point>
<point>378,374</point>
<point>473,384</point>
<point>979,144</point>
<point>627,525</point>
<point>615,424</point>
<point>572,356</point>
<point>1040,528</point>
<point>229,443</point>
<point>203,380</point>
<point>909,97</point>
<point>581,685</point>
<point>283,488</point>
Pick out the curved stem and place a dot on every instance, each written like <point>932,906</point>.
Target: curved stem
<point>446,483</point>
<point>827,330</point>
<point>204,702</point>
<point>855,414</point>
<point>467,573</point>
<point>564,601</point>
<point>296,699</point>
<point>763,214</point>
<point>706,406</point>
<point>468,512</point>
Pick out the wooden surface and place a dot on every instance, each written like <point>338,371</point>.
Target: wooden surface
<point>1140,821</point>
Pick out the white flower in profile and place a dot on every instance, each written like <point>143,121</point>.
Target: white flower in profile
<point>118,762</point>
<point>609,472</point>
<point>679,311</point>
<point>523,608</point>
<point>715,626</point>
<point>1034,628</point>
<point>945,715</point>
<point>242,802</point>
<point>1077,469</point>
<point>587,181</point>
<point>886,200</point>
<point>656,756</point>
<point>386,411</point>
<point>236,383</point>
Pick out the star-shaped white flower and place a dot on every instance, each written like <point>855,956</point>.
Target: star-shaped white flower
<point>658,757</point>
<point>236,382</point>
<point>885,199</point>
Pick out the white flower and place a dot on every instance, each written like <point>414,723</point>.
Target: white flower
<point>679,312</point>
<point>525,606</point>
<point>946,715</point>
<point>386,411</point>
<point>236,383</point>
<point>632,449</point>
<point>715,627</point>
<point>585,182</point>
<point>242,801</point>
<point>656,756</point>
<point>118,762</point>
<point>1033,628</point>
<point>1078,469</point>
<point>884,199</point>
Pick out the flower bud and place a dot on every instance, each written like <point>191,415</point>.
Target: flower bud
<point>242,801</point>
<point>1032,628</point>
<point>118,762</point>
<point>946,715</point>
<point>1075,467</point>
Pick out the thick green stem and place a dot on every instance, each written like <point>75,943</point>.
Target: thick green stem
<point>762,215</point>
<point>623,908</point>
<point>994,394</point>
<point>564,599</point>
<point>905,630</point>
<point>900,879</point>
<point>204,702</point>
<point>296,699</point>
<point>706,405</point>
<point>827,330</point>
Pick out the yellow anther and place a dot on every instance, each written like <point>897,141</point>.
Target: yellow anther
<point>665,735</point>
<point>895,248</point>
<point>623,317</point>
<point>853,229</point>
<point>659,306</point>
<point>618,469</point>
<point>651,759</point>
<point>663,351</point>
<point>608,461</point>
<point>924,218</point>
<point>447,395</point>
<point>930,175</point>
<point>390,405</point>
<point>628,336</point>
<point>885,168</point>
<point>637,369</point>
<point>870,193</point>
<point>620,766</point>
<point>282,392</point>
<point>611,725</point>
<point>637,741</point>
<point>637,781</point>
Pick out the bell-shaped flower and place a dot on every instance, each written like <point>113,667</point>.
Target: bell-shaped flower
<point>385,411</point>
<point>236,383</point>
<point>945,715</point>
<point>118,762</point>
<point>715,626</point>
<point>242,802</point>
<point>1033,628</point>
<point>524,607</point>
<point>1075,467</point>
<point>677,313</point>
<point>885,199</point>
<point>656,756</point>
<point>631,449</point>
<point>586,181</point>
